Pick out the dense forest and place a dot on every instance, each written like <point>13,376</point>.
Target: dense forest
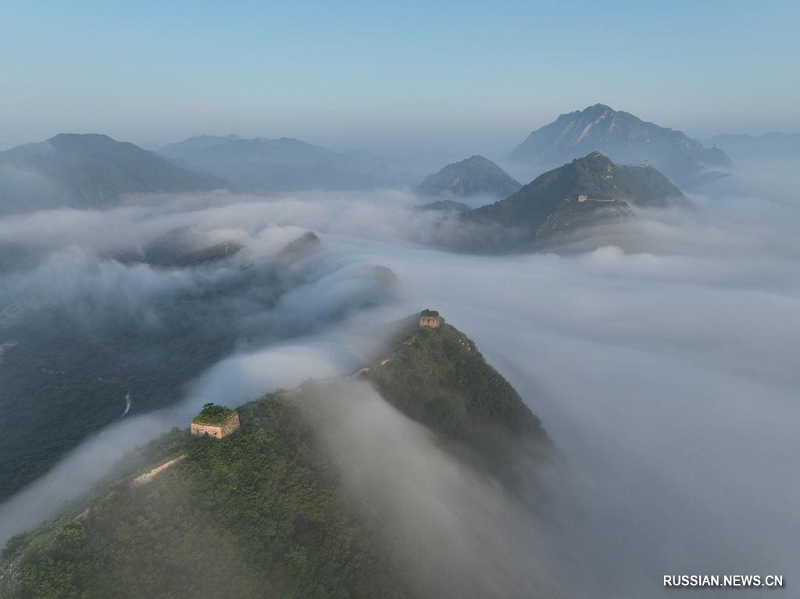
<point>256,515</point>
<point>264,512</point>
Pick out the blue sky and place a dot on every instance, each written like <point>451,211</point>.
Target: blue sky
<point>427,75</point>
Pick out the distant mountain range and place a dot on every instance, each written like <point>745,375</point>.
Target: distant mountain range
<point>285,164</point>
<point>87,171</point>
<point>472,176</point>
<point>625,139</point>
<point>94,171</point>
<point>587,191</point>
<point>768,146</point>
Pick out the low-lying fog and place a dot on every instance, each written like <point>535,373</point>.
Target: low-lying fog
<point>663,363</point>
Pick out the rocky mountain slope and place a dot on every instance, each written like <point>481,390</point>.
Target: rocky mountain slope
<point>624,138</point>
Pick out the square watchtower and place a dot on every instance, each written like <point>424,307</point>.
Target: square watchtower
<point>430,318</point>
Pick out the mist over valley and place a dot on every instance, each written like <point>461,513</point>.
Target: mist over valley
<point>404,302</point>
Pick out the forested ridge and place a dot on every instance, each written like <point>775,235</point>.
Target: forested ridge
<point>263,512</point>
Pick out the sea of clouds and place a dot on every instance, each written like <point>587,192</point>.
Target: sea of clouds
<point>660,356</point>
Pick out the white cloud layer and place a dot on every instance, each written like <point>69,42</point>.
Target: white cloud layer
<point>663,364</point>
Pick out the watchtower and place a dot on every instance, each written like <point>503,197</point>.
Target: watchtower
<point>430,318</point>
<point>216,422</point>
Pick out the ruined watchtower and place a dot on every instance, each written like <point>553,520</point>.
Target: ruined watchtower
<point>430,318</point>
<point>215,421</point>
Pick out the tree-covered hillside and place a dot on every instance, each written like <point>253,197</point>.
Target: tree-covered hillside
<point>265,512</point>
<point>587,191</point>
<point>438,377</point>
<point>257,515</point>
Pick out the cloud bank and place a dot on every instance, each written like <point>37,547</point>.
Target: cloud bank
<point>661,363</point>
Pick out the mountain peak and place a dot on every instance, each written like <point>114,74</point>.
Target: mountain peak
<point>436,376</point>
<point>86,141</point>
<point>624,138</point>
<point>584,192</point>
<point>471,176</point>
<point>91,170</point>
<point>477,158</point>
<point>595,156</point>
<point>81,136</point>
<point>598,108</point>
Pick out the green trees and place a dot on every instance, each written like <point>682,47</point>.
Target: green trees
<point>257,515</point>
<point>213,414</point>
<point>264,513</point>
<point>439,378</point>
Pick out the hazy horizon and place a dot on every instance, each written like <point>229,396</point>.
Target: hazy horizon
<point>422,77</point>
<point>609,398</point>
<point>465,144</point>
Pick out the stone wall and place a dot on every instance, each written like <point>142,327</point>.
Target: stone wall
<point>148,476</point>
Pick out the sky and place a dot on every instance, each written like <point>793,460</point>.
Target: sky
<point>411,76</point>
